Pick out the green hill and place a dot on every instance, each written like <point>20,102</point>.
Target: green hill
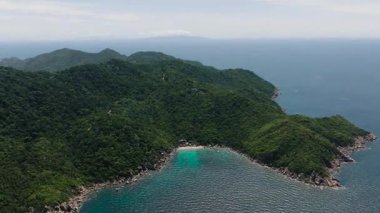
<point>66,58</point>
<point>98,122</point>
<point>61,59</point>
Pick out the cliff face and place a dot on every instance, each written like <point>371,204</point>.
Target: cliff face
<point>106,121</point>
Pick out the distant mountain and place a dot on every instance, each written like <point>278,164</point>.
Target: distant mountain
<point>12,62</point>
<point>66,58</point>
<point>61,59</point>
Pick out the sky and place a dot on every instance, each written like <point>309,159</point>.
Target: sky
<point>39,20</point>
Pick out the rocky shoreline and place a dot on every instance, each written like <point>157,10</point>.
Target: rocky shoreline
<point>83,192</point>
<point>330,180</point>
<point>276,93</point>
<point>345,153</point>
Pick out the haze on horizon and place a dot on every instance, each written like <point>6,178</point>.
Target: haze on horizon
<point>40,20</point>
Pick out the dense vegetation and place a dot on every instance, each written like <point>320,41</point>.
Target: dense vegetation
<point>61,59</point>
<point>302,144</point>
<point>92,123</point>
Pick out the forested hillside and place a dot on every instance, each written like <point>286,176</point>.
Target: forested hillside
<point>98,122</point>
<point>61,59</point>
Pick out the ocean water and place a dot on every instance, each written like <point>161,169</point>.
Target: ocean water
<point>218,180</point>
<point>316,78</point>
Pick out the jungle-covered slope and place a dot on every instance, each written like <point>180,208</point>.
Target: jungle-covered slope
<point>98,122</point>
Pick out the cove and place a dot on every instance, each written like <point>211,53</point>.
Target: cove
<point>332,77</point>
<point>216,179</point>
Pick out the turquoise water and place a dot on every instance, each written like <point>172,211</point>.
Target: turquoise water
<point>217,180</point>
<point>316,78</point>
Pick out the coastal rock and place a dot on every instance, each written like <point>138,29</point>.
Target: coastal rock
<point>276,93</point>
<point>318,180</point>
<point>46,209</point>
<point>82,192</point>
<point>371,137</point>
<point>62,207</point>
<point>332,182</point>
<point>149,166</point>
<point>345,156</point>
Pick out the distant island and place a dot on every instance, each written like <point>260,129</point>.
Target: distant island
<point>70,119</point>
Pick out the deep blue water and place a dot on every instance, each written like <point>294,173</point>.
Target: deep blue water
<point>316,78</point>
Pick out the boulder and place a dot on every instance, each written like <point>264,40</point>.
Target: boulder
<point>62,207</point>
<point>46,209</point>
<point>318,180</point>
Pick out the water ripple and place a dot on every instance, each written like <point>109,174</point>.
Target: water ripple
<point>221,181</point>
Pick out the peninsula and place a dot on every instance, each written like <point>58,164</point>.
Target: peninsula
<point>65,124</point>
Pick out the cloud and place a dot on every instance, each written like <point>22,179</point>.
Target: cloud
<point>57,9</point>
<point>360,8</point>
<point>166,33</point>
<point>53,20</point>
<point>41,7</point>
<point>364,7</point>
<point>118,19</point>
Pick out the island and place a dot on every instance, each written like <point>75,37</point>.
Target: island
<point>72,121</point>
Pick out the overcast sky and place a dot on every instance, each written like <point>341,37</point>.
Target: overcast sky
<point>121,19</point>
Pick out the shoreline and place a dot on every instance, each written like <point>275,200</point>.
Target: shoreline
<point>275,94</point>
<point>74,204</point>
<point>189,148</point>
<point>344,156</point>
<point>84,192</point>
<point>314,180</point>
<point>330,181</point>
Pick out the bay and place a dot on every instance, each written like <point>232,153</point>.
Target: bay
<point>316,78</point>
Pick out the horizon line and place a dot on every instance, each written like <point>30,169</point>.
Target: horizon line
<point>186,37</point>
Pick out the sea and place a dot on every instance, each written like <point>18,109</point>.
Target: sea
<point>316,77</point>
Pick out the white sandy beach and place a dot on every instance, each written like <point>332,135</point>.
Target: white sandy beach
<point>189,147</point>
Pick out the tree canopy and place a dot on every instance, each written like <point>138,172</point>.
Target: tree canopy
<point>97,122</point>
